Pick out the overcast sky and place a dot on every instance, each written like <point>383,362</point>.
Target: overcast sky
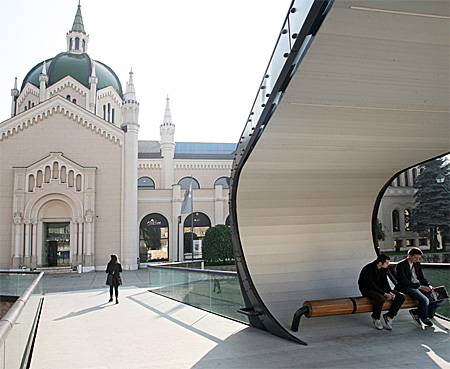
<point>208,56</point>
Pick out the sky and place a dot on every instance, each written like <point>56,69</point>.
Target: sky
<point>209,57</point>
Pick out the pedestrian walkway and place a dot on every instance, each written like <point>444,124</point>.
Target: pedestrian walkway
<point>80,329</point>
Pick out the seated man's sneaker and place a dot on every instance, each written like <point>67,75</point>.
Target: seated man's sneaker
<point>427,322</point>
<point>414,315</point>
<point>387,321</point>
<point>377,324</point>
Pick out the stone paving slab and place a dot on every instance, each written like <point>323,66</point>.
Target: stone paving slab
<point>82,330</point>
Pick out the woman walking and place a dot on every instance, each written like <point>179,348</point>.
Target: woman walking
<point>113,280</point>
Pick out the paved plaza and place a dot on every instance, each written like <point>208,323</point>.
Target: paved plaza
<point>80,329</point>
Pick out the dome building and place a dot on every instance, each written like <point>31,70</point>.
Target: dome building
<point>76,183</point>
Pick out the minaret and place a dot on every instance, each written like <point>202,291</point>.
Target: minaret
<point>77,39</point>
<point>43,80</point>
<point>130,112</point>
<point>14,94</point>
<point>93,80</point>
<point>167,131</point>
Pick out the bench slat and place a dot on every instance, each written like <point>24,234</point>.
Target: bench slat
<point>348,305</point>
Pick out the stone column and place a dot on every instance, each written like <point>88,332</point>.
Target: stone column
<point>80,240</point>
<point>218,204</point>
<point>17,240</point>
<point>88,244</point>
<point>27,250</point>
<point>33,262</point>
<point>175,253</point>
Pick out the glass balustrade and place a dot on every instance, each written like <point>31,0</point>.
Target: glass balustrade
<point>16,343</point>
<point>214,291</point>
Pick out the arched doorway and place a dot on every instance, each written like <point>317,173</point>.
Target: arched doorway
<point>200,224</point>
<point>154,238</point>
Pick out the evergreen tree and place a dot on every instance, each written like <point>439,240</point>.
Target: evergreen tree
<point>217,245</point>
<point>432,211</point>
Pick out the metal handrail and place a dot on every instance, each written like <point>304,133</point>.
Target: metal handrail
<point>10,318</point>
<point>206,271</point>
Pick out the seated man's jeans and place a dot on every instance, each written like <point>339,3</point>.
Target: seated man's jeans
<point>424,304</point>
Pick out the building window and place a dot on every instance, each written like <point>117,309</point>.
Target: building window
<point>71,44</point>
<point>68,97</point>
<point>398,244</point>
<point>407,215</point>
<point>104,112</point>
<point>31,183</point>
<point>201,224</point>
<point>74,101</point>
<point>154,238</point>
<point>395,221</point>
<point>77,43</point>
<point>224,181</point>
<point>146,183</point>
<point>109,113</point>
<point>84,45</point>
<point>406,179</point>
<point>423,242</point>
<point>184,182</point>
<point>410,242</point>
<point>112,115</point>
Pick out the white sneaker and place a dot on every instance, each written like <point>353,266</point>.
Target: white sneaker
<point>377,324</point>
<point>387,321</point>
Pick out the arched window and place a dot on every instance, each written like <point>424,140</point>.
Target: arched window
<point>47,174</point>
<point>146,183</point>
<point>78,182</point>
<point>77,44</point>
<point>29,104</point>
<point>184,182</point>
<point>39,179</point>
<point>154,238</point>
<point>84,45</point>
<point>71,44</point>
<point>104,112</point>
<point>109,113</point>
<point>71,178</point>
<point>228,221</point>
<point>31,183</point>
<point>201,224</point>
<point>406,179</point>
<point>55,170</point>
<point>407,215</point>
<point>74,101</point>
<point>395,221</point>
<point>62,178</point>
<point>68,97</point>
<point>224,181</point>
<point>112,115</point>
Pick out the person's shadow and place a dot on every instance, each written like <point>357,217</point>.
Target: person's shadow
<point>84,311</point>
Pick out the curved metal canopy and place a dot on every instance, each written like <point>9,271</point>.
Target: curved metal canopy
<point>362,93</point>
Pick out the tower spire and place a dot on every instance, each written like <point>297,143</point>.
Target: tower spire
<point>167,115</point>
<point>77,38</point>
<point>130,93</point>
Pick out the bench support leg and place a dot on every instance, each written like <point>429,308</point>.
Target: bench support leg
<point>296,320</point>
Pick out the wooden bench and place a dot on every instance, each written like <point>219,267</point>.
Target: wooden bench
<point>341,306</point>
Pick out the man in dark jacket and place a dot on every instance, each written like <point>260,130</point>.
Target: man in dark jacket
<point>373,283</point>
<point>410,280</point>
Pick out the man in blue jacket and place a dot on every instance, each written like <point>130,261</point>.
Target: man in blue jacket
<point>410,280</point>
<point>373,283</point>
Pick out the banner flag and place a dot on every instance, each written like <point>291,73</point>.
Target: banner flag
<point>187,207</point>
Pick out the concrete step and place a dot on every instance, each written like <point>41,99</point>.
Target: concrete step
<point>56,270</point>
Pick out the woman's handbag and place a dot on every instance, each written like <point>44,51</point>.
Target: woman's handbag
<point>109,280</point>
<point>119,279</point>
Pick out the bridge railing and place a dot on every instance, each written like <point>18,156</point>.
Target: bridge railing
<point>214,291</point>
<point>18,325</point>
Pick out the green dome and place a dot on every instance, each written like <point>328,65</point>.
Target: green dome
<point>79,67</point>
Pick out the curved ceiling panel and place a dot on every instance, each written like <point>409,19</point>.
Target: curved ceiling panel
<point>369,99</point>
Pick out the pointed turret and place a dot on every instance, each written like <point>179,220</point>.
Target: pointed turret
<point>130,107</point>
<point>14,94</point>
<point>93,80</point>
<point>77,39</point>
<point>167,131</point>
<point>43,80</point>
